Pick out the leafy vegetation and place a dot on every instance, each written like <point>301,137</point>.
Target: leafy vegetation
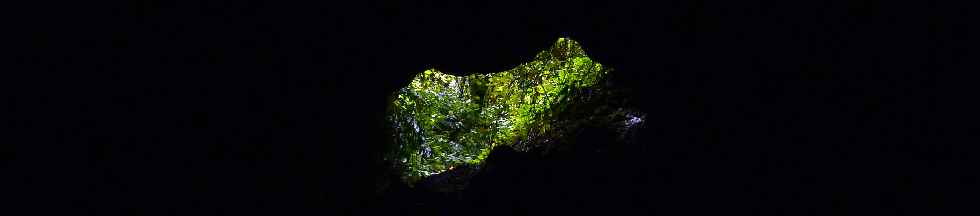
<point>440,121</point>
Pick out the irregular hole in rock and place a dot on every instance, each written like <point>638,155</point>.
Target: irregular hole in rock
<point>440,122</point>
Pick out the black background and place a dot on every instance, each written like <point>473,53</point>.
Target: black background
<point>242,107</point>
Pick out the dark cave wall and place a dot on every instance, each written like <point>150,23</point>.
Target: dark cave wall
<point>765,110</point>
<point>768,110</point>
<point>261,108</point>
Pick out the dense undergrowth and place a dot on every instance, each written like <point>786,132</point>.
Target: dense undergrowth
<point>441,121</point>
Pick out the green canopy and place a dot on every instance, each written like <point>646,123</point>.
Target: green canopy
<point>440,121</point>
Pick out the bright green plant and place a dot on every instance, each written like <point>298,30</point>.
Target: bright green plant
<point>440,121</point>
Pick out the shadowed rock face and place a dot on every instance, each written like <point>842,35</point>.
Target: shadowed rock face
<point>532,181</point>
<point>275,108</point>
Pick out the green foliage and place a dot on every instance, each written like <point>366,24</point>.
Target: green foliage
<point>440,121</point>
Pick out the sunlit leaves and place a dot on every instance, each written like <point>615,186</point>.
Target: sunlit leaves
<point>440,120</point>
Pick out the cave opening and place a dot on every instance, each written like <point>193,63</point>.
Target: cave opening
<point>440,122</point>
